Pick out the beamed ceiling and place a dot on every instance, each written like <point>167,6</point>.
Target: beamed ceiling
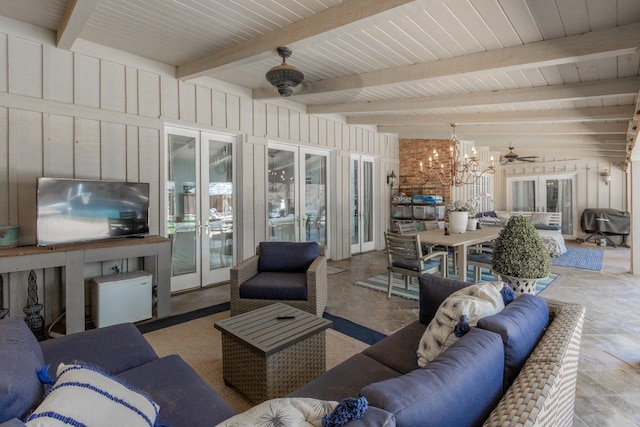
<point>554,78</point>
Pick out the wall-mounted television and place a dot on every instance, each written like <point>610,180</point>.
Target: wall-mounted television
<point>74,210</point>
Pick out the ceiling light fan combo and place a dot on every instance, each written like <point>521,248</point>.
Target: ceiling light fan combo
<point>512,157</point>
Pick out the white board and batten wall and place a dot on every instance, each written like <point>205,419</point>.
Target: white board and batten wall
<point>95,113</point>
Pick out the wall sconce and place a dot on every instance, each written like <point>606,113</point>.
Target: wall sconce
<point>391,179</point>
<point>606,176</point>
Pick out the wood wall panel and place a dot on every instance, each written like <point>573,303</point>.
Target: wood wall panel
<point>113,151</point>
<point>169,98</point>
<point>112,86</point>
<point>131,90</point>
<point>5,180</point>
<point>203,105</point>
<point>25,165</point>
<point>283,123</point>
<point>246,116</point>
<point>57,79</point>
<point>4,58</point>
<point>219,107</point>
<point>86,87</point>
<point>25,67</point>
<point>58,146</point>
<point>259,119</point>
<point>133,154</point>
<point>313,130</point>
<point>294,125</point>
<point>149,141</point>
<point>272,121</point>
<point>149,94</point>
<point>187,101</point>
<point>304,128</point>
<point>233,112</point>
<point>87,149</point>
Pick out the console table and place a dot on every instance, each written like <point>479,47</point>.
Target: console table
<point>155,250</point>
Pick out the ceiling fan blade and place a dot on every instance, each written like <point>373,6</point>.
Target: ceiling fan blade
<point>527,159</point>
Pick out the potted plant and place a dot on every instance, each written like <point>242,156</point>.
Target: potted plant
<point>459,216</point>
<point>520,256</point>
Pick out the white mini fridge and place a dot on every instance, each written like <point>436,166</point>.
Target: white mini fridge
<point>121,298</point>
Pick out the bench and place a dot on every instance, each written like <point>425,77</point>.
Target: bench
<point>549,226</point>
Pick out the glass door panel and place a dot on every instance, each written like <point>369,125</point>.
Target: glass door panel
<point>182,206</point>
<point>315,198</point>
<point>282,195</point>
<point>298,194</point>
<point>361,206</point>
<point>199,211</point>
<point>219,213</point>
<point>544,194</point>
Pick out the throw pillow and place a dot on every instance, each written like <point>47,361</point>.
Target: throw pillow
<point>288,411</point>
<point>540,218</point>
<point>83,395</point>
<point>460,311</point>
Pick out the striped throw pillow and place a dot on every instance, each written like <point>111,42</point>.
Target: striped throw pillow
<point>85,396</point>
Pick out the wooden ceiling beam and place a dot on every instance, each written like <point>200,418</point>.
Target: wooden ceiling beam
<point>463,131</point>
<point>566,92</point>
<point>75,18</point>
<point>621,112</point>
<point>593,45</point>
<point>259,48</point>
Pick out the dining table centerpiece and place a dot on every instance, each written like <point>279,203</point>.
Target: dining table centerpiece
<point>459,213</point>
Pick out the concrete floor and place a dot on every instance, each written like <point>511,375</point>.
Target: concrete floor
<point>608,392</point>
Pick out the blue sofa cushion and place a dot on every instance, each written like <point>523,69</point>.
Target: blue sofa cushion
<point>398,350</point>
<point>114,349</point>
<point>458,388</point>
<point>278,286</point>
<point>433,291</point>
<point>20,359</point>
<point>291,257</point>
<point>521,325</point>
<point>184,398</point>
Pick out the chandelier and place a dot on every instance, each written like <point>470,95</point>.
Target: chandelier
<point>455,172</point>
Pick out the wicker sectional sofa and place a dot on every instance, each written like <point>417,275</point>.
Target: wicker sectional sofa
<point>542,392</point>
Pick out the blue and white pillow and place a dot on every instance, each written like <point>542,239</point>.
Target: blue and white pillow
<point>85,396</point>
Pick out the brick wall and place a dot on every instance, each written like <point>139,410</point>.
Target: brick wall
<point>411,180</point>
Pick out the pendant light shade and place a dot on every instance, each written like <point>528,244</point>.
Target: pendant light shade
<point>284,76</point>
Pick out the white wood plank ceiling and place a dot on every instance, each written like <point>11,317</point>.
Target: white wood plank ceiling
<point>549,76</point>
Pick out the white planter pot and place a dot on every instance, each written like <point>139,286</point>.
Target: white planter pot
<point>458,222</point>
<point>472,224</point>
<point>521,285</point>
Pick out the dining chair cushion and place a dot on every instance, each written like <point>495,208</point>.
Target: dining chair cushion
<point>276,286</point>
<point>481,257</point>
<point>412,264</point>
<point>291,257</point>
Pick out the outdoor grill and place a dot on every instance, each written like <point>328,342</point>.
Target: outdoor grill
<point>599,224</point>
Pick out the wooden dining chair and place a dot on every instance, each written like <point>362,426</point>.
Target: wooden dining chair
<point>405,257</point>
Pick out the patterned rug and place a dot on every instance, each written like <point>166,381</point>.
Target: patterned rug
<point>585,258</point>
<point>379,283</point>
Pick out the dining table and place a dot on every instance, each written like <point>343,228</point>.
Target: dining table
<point>460,243</point>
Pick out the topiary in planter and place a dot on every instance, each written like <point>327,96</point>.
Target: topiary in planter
<point>520,252</point>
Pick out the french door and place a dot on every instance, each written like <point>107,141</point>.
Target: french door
<point>548,193</point>
<point>362,202</point>
<point>199,188</point>
<point>298,194</point>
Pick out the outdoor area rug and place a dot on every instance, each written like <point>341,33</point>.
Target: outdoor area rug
<point>199,344</point>
<point>334,270</point>
<point>379,283</point>
<point>585,258</point>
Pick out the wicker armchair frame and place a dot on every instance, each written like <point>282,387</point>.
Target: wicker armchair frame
<point>316,286</point>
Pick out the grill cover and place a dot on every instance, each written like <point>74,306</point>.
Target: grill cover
<point>609,221</point>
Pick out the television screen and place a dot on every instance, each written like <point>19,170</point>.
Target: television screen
<point>72,210</point>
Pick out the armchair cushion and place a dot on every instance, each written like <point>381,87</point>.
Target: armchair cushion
<point>275,286</point>
<point>290,257</point>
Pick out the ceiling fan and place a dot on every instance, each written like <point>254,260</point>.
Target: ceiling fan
<point>512,157</point>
